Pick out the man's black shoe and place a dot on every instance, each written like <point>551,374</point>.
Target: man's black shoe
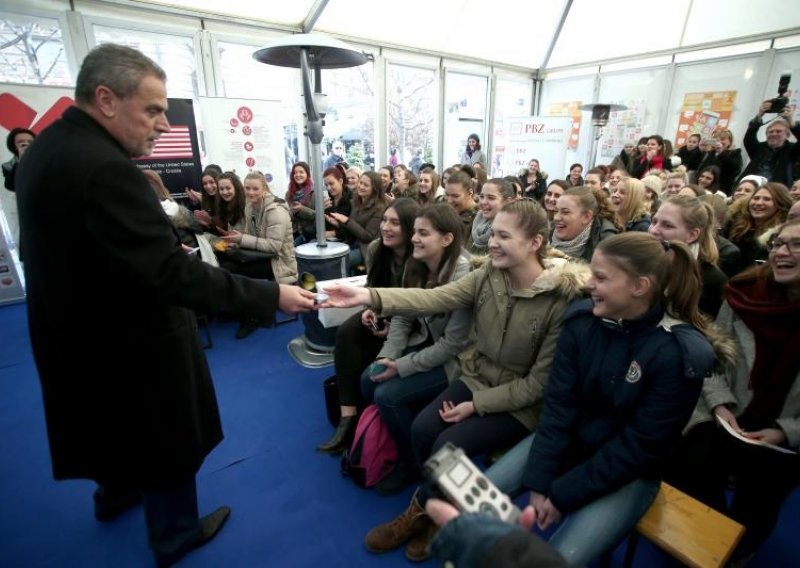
<point>210,525</point>
<point>110,503</point>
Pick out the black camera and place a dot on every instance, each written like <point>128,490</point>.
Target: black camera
<point>779,103</point>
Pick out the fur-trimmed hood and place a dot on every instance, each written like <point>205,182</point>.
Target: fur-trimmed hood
<point>764,237</point>
<point>725,349</point>
<point>568,277</point>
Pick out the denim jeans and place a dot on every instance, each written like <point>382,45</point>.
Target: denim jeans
<point>355,258</point>
<point>506,473</point>
<point>583,535</point>
<point>588,533</point>
<point>400,398</point>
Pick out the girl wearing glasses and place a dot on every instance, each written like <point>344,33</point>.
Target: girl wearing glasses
<point>758,398</point>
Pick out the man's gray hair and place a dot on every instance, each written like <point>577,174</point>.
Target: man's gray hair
<point>117,67</point>
<point>780,120</point>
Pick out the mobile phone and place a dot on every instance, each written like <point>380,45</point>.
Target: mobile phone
<point>453,475</point>
<point>376,369</point>
<point>377,324</point>
<point>195,250</point>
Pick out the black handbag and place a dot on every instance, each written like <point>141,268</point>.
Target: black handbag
<point>246,256</point>
<point>331,389</point>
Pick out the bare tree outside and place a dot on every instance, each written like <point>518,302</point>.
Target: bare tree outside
<point>350,100</point>
<point>32,51</point>
<point>412,108</point>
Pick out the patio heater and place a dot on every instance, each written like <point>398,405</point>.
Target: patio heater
<point>324,260</point>
<point>600,114</point>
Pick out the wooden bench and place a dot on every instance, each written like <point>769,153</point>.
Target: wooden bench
<point>687,530</point>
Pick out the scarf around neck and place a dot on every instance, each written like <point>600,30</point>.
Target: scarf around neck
<point>762,304</point>
<point>573,247</point>
<point>481,229</point>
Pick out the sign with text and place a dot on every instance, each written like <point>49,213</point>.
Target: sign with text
<point>243,135</point>
<point>572,109</point>
<point>623,126</point>
<point>541,137</point>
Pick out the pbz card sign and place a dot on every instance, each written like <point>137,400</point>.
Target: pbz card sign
<point>541,137</point>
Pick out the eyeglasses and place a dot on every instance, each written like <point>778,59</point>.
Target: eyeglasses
<point>792,245</point>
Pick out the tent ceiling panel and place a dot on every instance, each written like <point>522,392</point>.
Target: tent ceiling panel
<point>717,21</point>
<point>503,31</point>
<point>610,29</point>
<point>513,33</point>
<point>284,13</point>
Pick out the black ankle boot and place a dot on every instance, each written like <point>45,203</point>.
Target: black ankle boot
<point>342,437</point>
<point>403,475</point>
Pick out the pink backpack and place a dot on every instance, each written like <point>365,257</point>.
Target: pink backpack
<point>373,454</point>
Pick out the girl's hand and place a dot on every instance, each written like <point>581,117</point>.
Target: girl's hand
<point>194,196</point>
<point>724,414</point>
<point>456,413</point>
<point>232,236</point>
<point>390,372</point>
<point>346,296</point>
<point>547,515</point>
<point>331,220</point>
<point>774,436</point>
<point>339,218</point>
<point>368,318</point>
<point>202,217</point>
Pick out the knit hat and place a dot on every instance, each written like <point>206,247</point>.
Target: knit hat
<point>758,180</point>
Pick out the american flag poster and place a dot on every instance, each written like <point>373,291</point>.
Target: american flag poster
<point>177,143</point>
<point>176,157</point>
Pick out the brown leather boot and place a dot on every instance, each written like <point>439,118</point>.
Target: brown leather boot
<point>398,531</point>
<point>417,549</point>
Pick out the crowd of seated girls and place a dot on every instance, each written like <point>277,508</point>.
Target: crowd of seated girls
<point>594,425</point>
<point>242,226</point>
<point>338,199</point>
<point>486,344</point>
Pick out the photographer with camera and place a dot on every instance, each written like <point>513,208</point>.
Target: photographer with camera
<point>775,158</point>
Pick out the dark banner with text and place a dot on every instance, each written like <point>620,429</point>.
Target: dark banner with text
<point>176,156</point>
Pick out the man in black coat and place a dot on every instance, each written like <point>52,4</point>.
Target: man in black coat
<point>776,158</point>
<point>128,396</point>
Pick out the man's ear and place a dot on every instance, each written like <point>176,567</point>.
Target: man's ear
<point>106,101</point>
